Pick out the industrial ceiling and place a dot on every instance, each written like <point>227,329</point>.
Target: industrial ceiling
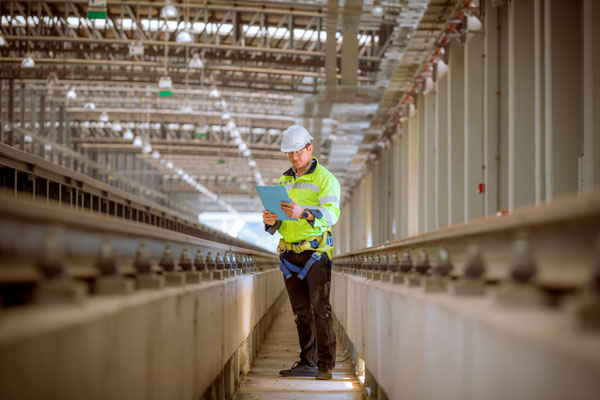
<point>202,90</point>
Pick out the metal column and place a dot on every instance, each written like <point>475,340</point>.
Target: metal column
<point>473,177</point>
<point>456,139</point>
<point>521,103</point>
<point>563,122</point>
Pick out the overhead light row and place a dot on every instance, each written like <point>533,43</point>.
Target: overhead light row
<point>155,154</point>
<point>234,132</point>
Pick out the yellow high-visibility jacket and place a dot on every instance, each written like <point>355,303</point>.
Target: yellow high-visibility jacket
<point>317,189</point>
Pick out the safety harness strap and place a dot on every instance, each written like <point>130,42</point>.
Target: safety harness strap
<point>319,244</point>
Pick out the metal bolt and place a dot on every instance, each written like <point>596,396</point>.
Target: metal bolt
<point>524,268</point>
<point>185,262</point>
<point>210,262</point>
<point>219,261</point>
<point>393,265</point>
<point>142,262</point>
<point>406,264</point>
<point>444,266</point>
<point>51,263</point>
<point>167,261</point>
<point>375,262</point>
<point>106,262</point>
<point>199,261</point>
<point>422,265</point>
<point>383,262</point>
<point>227,261</point>
<point>475,268</point>
<point>366,262</point>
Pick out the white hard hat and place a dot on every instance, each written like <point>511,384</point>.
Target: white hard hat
<point>295,138</point>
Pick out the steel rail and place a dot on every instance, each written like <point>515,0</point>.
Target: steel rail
<point>561,237</point>
<point>166,215</point>
<point>26,225</point>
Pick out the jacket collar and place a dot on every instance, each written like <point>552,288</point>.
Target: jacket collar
<point>311,168</point>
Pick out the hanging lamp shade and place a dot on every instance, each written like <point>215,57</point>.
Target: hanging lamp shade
<point>184,37</point>
<point>103,117</point>
<point>169,11</point>
<point>71,94</point>
<point>214,93</point>
<point>196,62</point>
<point>128,135</point>
<point>27,62</point>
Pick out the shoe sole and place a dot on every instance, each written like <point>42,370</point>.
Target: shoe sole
<point>306,375</point>
<point>323,378</point>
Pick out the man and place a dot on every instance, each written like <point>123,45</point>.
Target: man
<point>305,251</point>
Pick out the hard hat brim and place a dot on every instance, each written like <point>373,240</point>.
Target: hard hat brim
<point>288,149</point>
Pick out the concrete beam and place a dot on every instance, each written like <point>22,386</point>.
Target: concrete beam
<point>456,152</point>
<point>441,152</point>
<point>429,157</point>
<point>521,100</point>
<point>563,93</point>
<point>491,111</point>
<point>473,151</point>
<point>591,95</point>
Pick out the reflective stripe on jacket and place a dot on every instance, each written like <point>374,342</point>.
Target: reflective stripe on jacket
<point>317,189</point>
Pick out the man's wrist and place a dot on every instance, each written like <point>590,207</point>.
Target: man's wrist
<point>307,215</point>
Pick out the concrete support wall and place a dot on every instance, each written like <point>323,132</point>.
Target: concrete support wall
<point>521,100</point>
<point>473,205</point>
<point>456,134</point>
<point>563,92</point>
<point>422,161</point>
<point>591,95</point>
<point>429,135</point>
<point>414,203</point>
<point>437,346</point>
<point>441,153</point>
<point>165,344</point>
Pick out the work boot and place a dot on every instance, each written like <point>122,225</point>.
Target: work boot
<point>324,372</point>
<point>299,369</point>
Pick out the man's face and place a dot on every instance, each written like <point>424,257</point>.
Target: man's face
<point>302,157</point>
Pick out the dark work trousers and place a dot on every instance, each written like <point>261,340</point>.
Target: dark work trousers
<point>310,302</point>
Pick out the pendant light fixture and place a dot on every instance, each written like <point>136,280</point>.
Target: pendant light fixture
<point>169,11</point>
<point>196,62</point>
<point>71,94</point>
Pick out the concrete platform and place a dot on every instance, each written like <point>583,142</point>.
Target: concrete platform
<point>279,350</point>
